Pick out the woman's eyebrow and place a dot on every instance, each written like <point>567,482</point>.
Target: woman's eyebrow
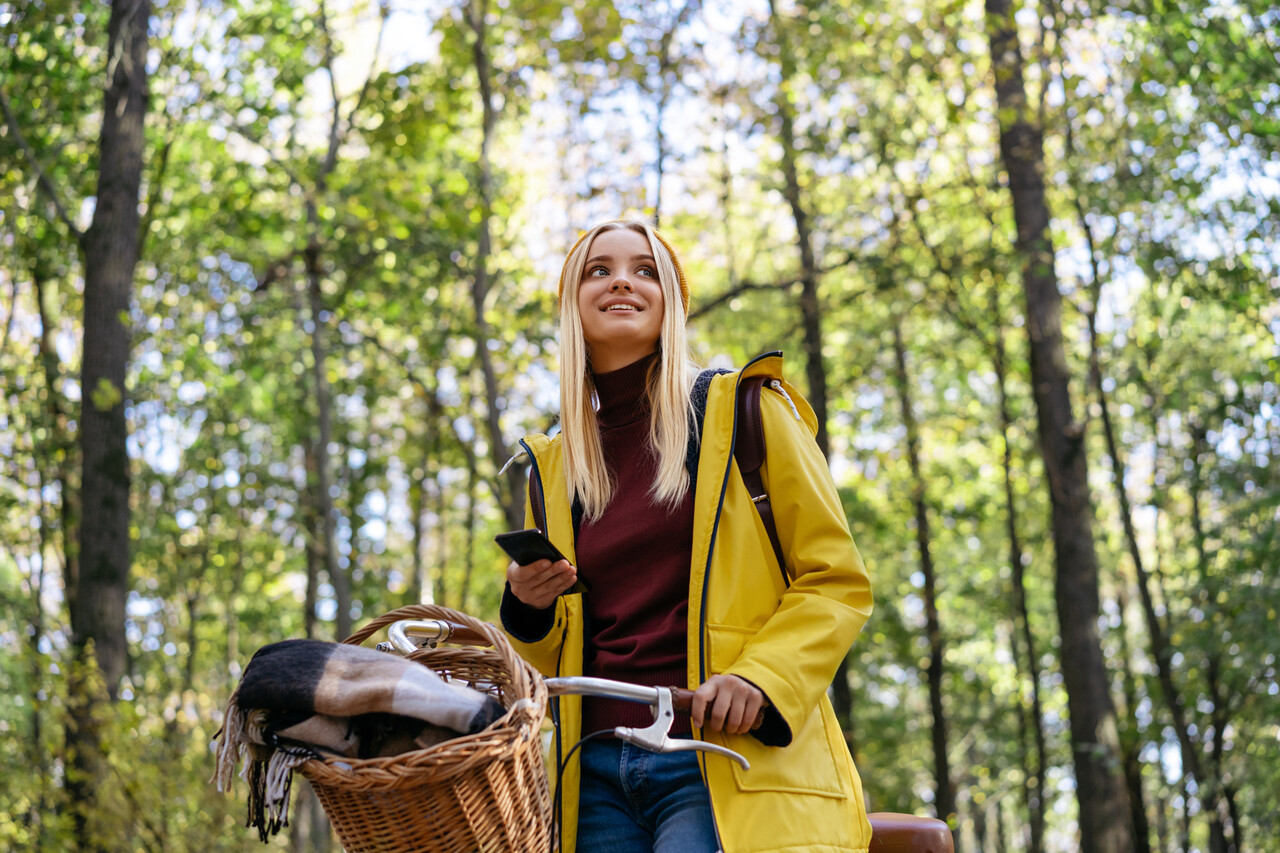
<point>610,258</point>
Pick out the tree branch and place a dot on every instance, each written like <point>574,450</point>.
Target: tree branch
<point>411,373</point>
<point>384,12</point>
<point>13,310</point>
<point>153,191</point>
<point>742,288</point>
<point>335,127</point>
<point>42,178</point>
<point>277,162</point>
<point>276,270</point>
<point>946,267</point>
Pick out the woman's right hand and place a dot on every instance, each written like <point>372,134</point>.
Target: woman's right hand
<point>538,584</point>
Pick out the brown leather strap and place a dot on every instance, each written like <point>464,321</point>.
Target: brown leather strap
<point>749,450</point>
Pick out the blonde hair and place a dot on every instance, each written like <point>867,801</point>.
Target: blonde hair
<point>668,385</point>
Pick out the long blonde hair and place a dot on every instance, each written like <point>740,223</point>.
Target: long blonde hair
<point>669,383</point>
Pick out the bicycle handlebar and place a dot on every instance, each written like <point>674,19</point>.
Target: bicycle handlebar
<point>434,631</point>
<point>404,637</point>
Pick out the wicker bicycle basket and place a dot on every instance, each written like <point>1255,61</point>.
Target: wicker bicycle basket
<point>482,792</point>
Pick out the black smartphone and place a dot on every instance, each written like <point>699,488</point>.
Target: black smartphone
<point>530,546</point>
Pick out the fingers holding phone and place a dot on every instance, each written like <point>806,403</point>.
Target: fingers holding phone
<point>539,583</point>
<point>538,571</point>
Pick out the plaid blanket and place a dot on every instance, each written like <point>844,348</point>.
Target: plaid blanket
<point>304,699</point>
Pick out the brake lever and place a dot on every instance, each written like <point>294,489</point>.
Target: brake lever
<point>655,737</point>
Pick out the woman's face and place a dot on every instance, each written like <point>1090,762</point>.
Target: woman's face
<point>619,300</point>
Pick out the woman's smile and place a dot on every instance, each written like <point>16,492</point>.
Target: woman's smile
<point>620,300</point>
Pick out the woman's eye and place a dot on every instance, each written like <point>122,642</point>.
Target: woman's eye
<point>646,271</point>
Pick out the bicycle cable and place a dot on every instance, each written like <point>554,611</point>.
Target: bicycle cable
<point>557,804</point>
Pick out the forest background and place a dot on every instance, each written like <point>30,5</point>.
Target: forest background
<point>279,300</point>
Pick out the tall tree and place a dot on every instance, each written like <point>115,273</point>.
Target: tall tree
<point>810,279</point>
<point>110,248</point>
<point>512,495</point>
<point>945,798</point>
<point>1017,571</point>
<point>1105,822</point>
<point>810,275</point>
<point>659,73</point>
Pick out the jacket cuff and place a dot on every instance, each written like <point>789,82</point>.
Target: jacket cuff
<point>527,624</point>
<point>773,729</point>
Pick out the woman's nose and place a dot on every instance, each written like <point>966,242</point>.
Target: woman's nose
<point>621,282</point>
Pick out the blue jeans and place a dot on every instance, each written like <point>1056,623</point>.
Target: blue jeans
<point>635,801</point>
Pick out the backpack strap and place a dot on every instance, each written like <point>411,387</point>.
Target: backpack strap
<point>749,450</point>
<point>698,401</point>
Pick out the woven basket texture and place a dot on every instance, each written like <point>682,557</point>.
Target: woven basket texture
<point>482,792</point>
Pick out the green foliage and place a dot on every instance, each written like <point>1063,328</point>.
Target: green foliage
<point>1159,122</point>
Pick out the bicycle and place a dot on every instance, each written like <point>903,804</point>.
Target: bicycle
<point>489,791</point>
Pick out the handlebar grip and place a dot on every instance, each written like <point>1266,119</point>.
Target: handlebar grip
<point>682,700</point>
<point>436,631</point>
<point>465,636</point>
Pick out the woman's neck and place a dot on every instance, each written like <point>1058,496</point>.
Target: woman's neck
<point>623,393</point>
<point>609,359</point>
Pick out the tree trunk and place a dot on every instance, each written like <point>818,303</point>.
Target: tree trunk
<point>231,607</point>
<point>57,452</point>
<point>1131,736</point>
<point>660,140</point>
<point>312,546</point>
<point>1029,774</point>
<point>325,515</point>
<point>193,593</point>
<point>417,507</point>
<point>1184,827</point>
<point>309,829</point>
<point>110,257</point>
<point>945,800</point>
<point>512,498</point>
<point>1002,839</point>
<point>1162,824</point>
<point>1237,829</point>
<point>36,753</point>
<point>1209,791</point>
<point>1161,650</point>
<point>1022,619</point>
<point>442,546</point>
<point>1105,822</point>
<point>61,444</point>
<point>810,311</point>
<point>470,557</point>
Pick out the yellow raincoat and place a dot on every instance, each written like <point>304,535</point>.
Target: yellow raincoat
<point>745,620</point>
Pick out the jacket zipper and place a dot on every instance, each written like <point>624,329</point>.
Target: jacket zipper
<point>539,512</point>
<point>711,550</point>
<point>715,527</point>
<point>535,494</point>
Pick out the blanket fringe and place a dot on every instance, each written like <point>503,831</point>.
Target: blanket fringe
<point>268,767</point>
<point>270,787</point>
<point>229,744</point>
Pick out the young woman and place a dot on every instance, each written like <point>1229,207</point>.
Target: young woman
<point>684,585</point>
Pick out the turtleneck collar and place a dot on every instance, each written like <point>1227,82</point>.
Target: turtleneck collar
<point>623,394</point>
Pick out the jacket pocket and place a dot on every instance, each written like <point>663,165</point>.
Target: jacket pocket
<point>807,765</point>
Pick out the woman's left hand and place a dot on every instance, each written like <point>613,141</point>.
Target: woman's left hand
<point>726,703</point>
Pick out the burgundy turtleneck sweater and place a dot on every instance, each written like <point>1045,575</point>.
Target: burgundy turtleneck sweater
<point>635,560</point>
